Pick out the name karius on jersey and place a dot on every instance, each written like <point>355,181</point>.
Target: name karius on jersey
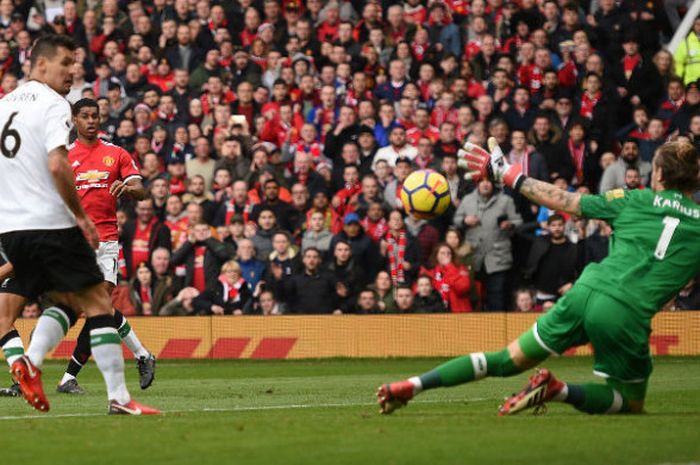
<point>661,202</point>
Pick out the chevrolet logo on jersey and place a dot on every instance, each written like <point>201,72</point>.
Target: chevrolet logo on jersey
<point>92,176</point>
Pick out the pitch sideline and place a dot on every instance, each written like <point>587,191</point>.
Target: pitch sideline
<point>239,409</point>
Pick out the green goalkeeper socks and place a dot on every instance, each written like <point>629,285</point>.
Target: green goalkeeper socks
<point>478,365</point>
<point>595,398</point>
<point>470,367</point>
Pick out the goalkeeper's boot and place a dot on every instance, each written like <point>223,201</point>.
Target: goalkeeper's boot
<point>12,391</point>
<point>130,408</point>
<point>147,370</point>
<point>70,387</point>
<point>541,388</point>
<point>29,379</point>
<point>394,396</point>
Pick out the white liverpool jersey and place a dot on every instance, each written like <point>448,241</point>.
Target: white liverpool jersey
<point>34,119</point>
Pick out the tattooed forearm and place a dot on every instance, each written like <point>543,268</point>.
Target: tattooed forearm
<point>551,196</point>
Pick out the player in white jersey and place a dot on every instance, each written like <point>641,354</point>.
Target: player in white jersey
<point>87,155</point>
<point>46,234</point>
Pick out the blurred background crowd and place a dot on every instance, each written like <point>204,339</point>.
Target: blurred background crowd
<point>273,137</point>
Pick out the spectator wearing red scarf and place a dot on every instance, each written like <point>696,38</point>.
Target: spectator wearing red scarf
<point>251,20</point>
<point>415,12</point>
<point>374,223</point>
<point>637,79</point>
<point>142,287</point>
<point>675,98</point>
<point>400,250</point>
<point>584,167</point>
<point>591,96</point>
<point>216,94</point>
<point>450,279</point>
<point>596,108</point>
<point>228,295</point>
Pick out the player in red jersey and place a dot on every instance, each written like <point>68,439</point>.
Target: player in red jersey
<point>103,173</point>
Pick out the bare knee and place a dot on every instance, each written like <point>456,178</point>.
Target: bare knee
<point>6,325</point>
<point>518,357</point>
<point>92,301</point>
<point>10,307</point>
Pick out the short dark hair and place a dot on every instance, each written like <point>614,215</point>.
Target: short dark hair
<point>47,46</point>
<point>282,232</point>
<point>571,6</point>
<point>342,241</point>
<point>267,209</point>
<point>312,249</point>
<point>555,217</point>
<point>84,103</point>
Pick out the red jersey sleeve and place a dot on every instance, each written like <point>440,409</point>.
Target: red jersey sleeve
<point>127,166</point>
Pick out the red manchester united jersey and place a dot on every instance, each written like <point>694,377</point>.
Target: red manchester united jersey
<point>96,168</point>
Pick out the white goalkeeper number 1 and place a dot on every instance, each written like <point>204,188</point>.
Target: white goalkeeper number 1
<point>670,225</point>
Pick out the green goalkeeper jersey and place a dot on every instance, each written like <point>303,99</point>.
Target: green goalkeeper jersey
<point>654,250</point>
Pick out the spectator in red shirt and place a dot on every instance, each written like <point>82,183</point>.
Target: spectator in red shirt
<point>327,31</point>
<point>450,279</point>
<point>140,237</point>
<point>202,256</point>
<point>423,128</point>
<point>345,200</point>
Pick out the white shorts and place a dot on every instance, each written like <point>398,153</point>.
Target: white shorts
<point>108,260</point>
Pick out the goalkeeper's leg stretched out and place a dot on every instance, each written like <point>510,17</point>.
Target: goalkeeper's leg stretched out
<point>521,355</point>
<point>620,344</point>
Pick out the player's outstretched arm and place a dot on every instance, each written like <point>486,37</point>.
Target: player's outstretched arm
<point>62,175</point>
<point>550,196</point>
<point>494,165</point>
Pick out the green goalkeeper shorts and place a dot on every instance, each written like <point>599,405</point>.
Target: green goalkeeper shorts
<point>620,337</point>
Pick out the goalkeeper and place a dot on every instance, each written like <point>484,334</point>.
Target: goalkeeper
<point>654,251</point>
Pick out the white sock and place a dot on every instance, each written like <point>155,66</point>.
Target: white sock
<point>417,385</point>
<point>561,395</point>
<point>13,349</point>
<point>52,326</point>
<point>132,341</point>
<point>107,351</point>
<point>66,377</point>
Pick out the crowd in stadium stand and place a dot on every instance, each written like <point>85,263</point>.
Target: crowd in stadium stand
<point>273,137</point>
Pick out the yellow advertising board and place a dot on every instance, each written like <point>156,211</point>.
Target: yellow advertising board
<point>294,337</point>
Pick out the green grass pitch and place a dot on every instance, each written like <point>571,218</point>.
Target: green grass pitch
<point>323,412</point>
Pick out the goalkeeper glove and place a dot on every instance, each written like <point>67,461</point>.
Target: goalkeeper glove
<point>482,164</point>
